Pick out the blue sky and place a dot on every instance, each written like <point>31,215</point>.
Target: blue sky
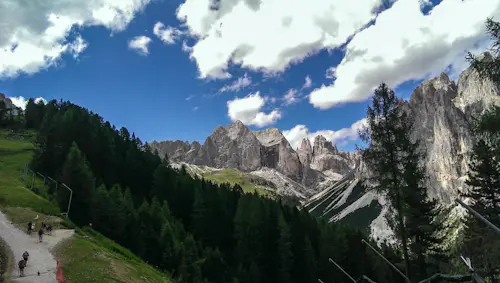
<point>165,83</point>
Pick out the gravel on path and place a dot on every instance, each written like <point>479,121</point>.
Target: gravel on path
<point>40,259</point>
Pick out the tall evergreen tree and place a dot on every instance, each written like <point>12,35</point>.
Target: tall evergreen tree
<point>386,139</point>
<point>421,211</point>
<point>482,244</point>
<point>77,175</point>
<point>395,162</point>
<point>480,241</point>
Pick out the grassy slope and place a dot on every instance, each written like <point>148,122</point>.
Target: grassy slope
<point>230,176</point>
<point>86,257</point>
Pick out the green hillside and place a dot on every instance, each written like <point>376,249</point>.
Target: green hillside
<point>85,257</point>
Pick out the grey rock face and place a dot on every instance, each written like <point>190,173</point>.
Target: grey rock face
<point>444,133</point>
<point>232,146</point>
<point>305,152</point>
<point>475,95</point>
<point>277,153</point>
<point>325,156</point>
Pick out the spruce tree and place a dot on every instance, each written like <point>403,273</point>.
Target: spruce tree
<point>77,175</point>
<point>481,242</point>
<point>421,211</point>
<point>385,136</point>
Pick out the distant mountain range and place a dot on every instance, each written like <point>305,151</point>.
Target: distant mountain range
<point>330,182</point>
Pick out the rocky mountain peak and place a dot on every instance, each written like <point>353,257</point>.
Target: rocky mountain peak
<point>236,129</point>
<point>305,145</point>
<point>269,136</point>
<point>323,146</point>
<point>476,94</point>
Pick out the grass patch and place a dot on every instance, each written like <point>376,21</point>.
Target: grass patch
<point>80,255</point>
<point>21,216</point>
<point>14,154</point>
<point>6,262</point>
<point>232,177</point>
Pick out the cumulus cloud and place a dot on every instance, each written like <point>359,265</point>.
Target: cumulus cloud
<point>168,35</point>
<point>307,83</point>
<point>268,35</point>
<point>249,111</point>
<point>296,134</point>
<point>291,97</point>
<point>20,101</point>
<point>238,84</point>
<point>405,44</point>
<point>140,44</point>
<point>35,34</point>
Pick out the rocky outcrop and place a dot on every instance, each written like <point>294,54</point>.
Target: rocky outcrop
<point>444,133</point>
<point>475,95</point>
<point>325,156</point>
<point>277,153</point>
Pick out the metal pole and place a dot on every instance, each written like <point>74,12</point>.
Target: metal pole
<point>338,266</point>
<point>32,180</point>
<point>70,196</point>
<point>53,181</point>
<point>386,260</point>
<point>40,174</point>
<point>25,173</point>
<point>478,215</point>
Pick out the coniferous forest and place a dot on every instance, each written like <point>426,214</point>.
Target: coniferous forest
<point>193,229</point>
<point>199,231</point>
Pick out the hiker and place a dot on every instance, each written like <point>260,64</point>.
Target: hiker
<point>21,265</point>
<point>40,233</point>
<point>49,229</point>
<point>29,228</point>
<point>43,225</point>
<point>25,257</point>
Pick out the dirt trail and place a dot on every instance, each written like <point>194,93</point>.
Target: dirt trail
<point>40,259</point>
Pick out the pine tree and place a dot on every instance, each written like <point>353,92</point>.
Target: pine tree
<point>385,136</point>
<point>421,211</point>
<point>484,181</point>
<point>482,244</point>
<point>77,175</point>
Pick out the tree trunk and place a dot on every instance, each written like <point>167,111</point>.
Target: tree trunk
<point>403,235</point>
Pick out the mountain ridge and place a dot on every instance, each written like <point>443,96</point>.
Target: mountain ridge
<point>332,183</point>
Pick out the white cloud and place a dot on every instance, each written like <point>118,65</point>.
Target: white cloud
<point>404,44</point>
<point>268,35</point>
<point>290,97</point>
<point>196,108</point>
<point>20,101</point>
<point>190,97</point>
<point>168,35</point>
<point>35,34</point>
<point>140,44</point>
<point>330,73</point>
<point>186,47</point>
<point>307,83</point>
<point>296,134</point>
<point>238,84</point>
<point>249,111</point>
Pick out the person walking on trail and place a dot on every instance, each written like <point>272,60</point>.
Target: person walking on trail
<point>25,257</point>
<point>40,233</point>
<point>29,227</point>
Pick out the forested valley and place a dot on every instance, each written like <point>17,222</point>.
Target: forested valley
<point>199,231</point>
